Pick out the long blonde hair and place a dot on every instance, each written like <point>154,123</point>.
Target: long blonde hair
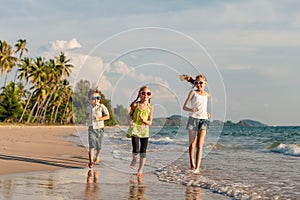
<point>190,79</point>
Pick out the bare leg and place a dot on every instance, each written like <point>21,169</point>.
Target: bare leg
<point>133,162</point>
<point>97,159</point>
<point>200,141</point>
<point>192,144</point>
<point>142,163</point>
<point>91,157</point>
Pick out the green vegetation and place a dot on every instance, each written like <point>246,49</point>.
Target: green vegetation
<point>174,120</point>
<point>41,92</point>
<point>120,113</point>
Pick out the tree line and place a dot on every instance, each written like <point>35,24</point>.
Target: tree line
<point>40,92</point>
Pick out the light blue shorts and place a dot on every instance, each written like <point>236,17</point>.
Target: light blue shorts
<point>197,124</point>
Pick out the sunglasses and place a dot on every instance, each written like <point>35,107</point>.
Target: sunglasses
<point>144,93</point>
<point>198,82</point>
<point>95,97</point>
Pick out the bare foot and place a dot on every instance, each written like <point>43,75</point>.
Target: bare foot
<point>196,171</point>
<point>132,164</point>
<point>91,165</point>
<point>139,175</point>
<point>97,161</point>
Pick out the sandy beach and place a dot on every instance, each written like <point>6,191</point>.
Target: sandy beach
<point>39,162</point>
<point>39,148</point>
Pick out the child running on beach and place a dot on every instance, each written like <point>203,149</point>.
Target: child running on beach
<point>96,113</point>
<point>196,105</point>
<point>139,119</point>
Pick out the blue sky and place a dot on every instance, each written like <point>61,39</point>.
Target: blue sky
<point>247,49</point>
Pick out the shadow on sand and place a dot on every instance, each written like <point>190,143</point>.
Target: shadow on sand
<point>58,162</point>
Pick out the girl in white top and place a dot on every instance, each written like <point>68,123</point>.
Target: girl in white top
<point>196,105</point>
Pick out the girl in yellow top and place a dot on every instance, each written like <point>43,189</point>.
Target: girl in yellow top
<point>139,119</point>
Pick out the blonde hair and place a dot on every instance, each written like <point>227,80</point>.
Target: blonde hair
<point>137,98</point>
<point>190,79</point>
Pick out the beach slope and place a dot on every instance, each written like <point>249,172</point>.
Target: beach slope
<point>39,148</point>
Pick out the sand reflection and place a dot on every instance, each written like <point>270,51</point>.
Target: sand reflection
<point>92,186</point>
<point>136,190</point>
<point>193,193</point>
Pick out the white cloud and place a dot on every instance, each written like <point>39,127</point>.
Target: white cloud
<point>63,45</point>
<point>122,68</point>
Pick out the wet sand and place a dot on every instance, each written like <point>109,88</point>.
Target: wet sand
<point>101,182</point>
<point>39,163</point>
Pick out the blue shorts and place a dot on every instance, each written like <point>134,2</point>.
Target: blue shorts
<point>95,138</point>
<point>197,124</point>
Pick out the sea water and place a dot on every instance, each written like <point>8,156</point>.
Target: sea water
<point>239,162</point>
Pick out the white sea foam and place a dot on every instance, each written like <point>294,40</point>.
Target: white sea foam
<point>287,149</point>
<point>165,140</point>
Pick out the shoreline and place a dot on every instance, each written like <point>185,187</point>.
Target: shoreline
<point>43,154</point>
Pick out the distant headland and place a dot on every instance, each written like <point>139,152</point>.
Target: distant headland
<point>177,120</point>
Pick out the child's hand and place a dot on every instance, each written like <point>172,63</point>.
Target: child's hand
<point>131,123</point>
<point>195,109</point>
<point>142,118</point>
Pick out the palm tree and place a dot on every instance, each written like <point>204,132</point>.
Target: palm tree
<point>24,68</point>
<point>66,95</point>
<point>7,60</point>
<point>50,86</point>
<point>63,68</point>
<point>37,74</point>
<point>21,47</point>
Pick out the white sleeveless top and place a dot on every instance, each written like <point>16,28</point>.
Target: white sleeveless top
<point>200,102</point>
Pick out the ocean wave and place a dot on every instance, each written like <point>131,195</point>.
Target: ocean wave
<point>286,149</point>
<point>179,174</point>
<point>163,141</point>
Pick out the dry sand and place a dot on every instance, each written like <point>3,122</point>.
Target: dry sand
<point>39,148</point>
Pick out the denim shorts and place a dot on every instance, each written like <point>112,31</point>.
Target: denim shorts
<point>197,124</point>
<point>95,138</point>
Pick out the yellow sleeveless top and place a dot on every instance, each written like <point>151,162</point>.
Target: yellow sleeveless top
<point>139,129</point>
